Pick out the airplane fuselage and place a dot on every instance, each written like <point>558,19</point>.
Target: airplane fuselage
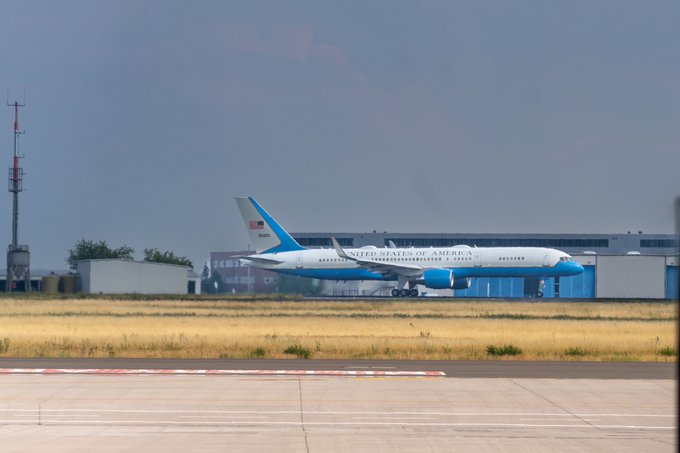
<point>437,268</point>
<point>464,261</point>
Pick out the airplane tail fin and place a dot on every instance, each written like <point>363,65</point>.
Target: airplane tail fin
<point>265,233</point>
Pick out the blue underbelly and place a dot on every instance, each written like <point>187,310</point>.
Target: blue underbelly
<point>459,272</point>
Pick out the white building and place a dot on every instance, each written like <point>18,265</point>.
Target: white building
<point>119,276</point>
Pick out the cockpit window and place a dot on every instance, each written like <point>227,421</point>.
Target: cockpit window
<point>566,258</point>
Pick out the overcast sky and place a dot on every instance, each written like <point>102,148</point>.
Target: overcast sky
<point>146,118</point>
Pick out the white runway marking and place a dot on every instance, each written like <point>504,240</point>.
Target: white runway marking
<point>576,419</point>
<point>297,423</point>
<point>401,417</point>
<point>226,415</point>
<point>355,413</point>
<point>358,418</point>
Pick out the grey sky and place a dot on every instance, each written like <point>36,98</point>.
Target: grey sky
<point>146,118</point>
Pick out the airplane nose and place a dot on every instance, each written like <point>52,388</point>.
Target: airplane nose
<point>577,268</point>
<point>570,267</point>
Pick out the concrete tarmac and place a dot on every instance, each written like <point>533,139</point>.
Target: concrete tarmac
<point>107,413</point>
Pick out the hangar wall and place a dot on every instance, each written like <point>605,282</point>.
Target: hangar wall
<point>126,276</point>
<point>672,273</point>
<point>603,277</point>
<point>672,289</point>
<point>634,276</point>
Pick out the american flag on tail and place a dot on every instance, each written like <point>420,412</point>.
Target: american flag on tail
<point>256,225</point>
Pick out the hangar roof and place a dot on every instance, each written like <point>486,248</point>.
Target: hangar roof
<point>608,244</point>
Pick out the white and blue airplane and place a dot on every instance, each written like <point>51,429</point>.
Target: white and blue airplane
<point>433,267</point>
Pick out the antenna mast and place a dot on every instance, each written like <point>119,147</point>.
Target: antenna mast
<point>18,257</point>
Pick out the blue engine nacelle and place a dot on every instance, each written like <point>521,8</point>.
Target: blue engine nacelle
<point>438,278</point>
<point>444,279</point>
<point>461,283</point>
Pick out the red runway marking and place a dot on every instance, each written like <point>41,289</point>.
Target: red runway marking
<point>220,372</point>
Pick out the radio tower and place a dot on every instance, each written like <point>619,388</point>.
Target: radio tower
<point>18,256</point>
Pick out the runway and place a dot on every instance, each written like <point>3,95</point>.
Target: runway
<point>302,413</point>
<point>461,369</point>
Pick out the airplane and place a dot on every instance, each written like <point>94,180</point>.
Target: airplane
<point>432,267</point>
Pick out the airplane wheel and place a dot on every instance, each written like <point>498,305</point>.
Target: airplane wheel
<point>539,294</point>
<point>414,292</point>
<point>395,292</point>
<point>404,292</point>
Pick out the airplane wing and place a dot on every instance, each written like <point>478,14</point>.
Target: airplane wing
<point>406,270</point>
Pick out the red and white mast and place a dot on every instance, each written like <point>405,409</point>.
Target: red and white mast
<point>18,257</point>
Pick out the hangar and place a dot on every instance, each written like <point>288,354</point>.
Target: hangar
<point>630,265</point>
<point>604,277</point>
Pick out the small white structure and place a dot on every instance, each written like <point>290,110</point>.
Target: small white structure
<point>119,276</point>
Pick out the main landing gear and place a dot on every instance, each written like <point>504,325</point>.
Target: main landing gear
<point>400,291</point>
<point>403,292</point>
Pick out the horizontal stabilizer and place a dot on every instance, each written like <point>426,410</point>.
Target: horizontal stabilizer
<point>259,259</point>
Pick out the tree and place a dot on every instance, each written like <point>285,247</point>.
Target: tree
<point>91,250</point>
<point>212,284</point>
<point>167,257</point>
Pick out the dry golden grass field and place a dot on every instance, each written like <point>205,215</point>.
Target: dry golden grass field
<point>410,329</point>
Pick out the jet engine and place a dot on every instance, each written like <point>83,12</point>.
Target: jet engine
<point>444,279</point>
<point>438,278</point>
<point>462,283</point>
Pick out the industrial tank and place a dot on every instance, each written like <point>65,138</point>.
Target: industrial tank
<point>50,284</point>
<point>68,284</point>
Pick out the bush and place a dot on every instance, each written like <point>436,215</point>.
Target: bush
<point>259,353</point>
<point>299,351</point>
<point>575,352</point>
<point>4,344</point>
<point>668,351</point>
<point>507,349</point>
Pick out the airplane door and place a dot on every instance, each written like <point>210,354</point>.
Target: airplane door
<point>298,262</point>
<point>546,260</point>
<point>477,259</point>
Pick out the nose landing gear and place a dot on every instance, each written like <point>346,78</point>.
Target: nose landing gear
<point>534,287</point>
<point>541,287</point>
